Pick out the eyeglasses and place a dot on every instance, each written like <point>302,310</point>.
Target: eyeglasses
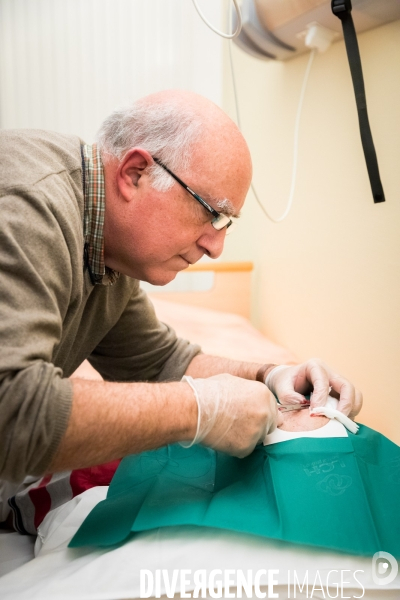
<point>220,220</point>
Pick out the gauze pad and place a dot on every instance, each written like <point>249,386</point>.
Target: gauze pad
<point>330,411</point>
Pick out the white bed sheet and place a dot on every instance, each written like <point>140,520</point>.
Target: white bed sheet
<point>15,550</point>
<point>61,573</point>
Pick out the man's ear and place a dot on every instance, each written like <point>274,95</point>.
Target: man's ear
<point>130,171</point>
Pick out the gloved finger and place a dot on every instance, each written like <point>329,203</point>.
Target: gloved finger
<point>350,399</point>
<point>318,376</point>
<point>276,420</point>
<point>334,394</point>
<point>281,383</point>
<point>288,396</point>
<point>301,381</point>
<point>357,404</point>
<point>346,393</point>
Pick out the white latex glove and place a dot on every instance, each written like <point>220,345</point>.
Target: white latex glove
<point>234,414</point>
<point>291,383</point>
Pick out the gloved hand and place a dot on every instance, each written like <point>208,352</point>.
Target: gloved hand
<point>234,414</point>
<point>291,383</point>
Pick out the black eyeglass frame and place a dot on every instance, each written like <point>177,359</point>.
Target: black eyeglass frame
<point>217,216</point>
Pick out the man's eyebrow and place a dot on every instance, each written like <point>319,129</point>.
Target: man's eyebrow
<point>227,208</point>
<point>223,205</point>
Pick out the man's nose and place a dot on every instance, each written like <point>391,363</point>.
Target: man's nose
<point>212,243</point>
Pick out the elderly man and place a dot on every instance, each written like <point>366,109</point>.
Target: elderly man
<point>81,226</point>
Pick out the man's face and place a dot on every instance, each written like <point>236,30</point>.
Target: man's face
<point>157,234</point>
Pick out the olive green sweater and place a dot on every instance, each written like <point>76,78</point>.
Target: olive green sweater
<point>51,316</point>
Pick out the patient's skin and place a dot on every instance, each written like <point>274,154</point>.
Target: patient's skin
<point>300,420</point>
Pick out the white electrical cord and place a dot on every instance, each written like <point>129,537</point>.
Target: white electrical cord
<point>231,36</point>
<point>295,142</point>
<point>228,36</point>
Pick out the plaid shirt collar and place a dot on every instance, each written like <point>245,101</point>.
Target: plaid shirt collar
<point>93,220</point>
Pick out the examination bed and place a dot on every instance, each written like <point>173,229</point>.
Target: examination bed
<point>216,319</point>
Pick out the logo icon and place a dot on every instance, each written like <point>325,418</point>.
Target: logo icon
<point>384,568</point>
<point>335,485</point>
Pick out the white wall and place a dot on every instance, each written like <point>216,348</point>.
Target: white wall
<point>327,279</point>
<point>66,64</point>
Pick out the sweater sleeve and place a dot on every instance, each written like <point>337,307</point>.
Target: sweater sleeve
<point>35,283</point>
<point>141,348</point>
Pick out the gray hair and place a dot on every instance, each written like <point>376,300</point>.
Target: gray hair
<point>167,131</point>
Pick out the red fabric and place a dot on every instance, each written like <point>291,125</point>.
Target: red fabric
<point>41,500</point>
<point>79,480</point>
<point>84,479</point>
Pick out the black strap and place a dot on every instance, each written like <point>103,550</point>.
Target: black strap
<point>342,10</point>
